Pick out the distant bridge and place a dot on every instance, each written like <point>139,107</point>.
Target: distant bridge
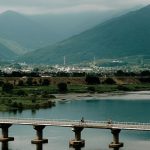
<point>76,125</point>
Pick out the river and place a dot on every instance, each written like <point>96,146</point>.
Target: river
<point>134,107</point>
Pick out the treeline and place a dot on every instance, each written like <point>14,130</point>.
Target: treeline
<point>119,73</point>
<point>19,74</point>
<point>28,81</point>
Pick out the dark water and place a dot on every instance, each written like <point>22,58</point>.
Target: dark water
<point>96,139</point>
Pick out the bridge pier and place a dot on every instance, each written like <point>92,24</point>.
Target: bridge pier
<point>77,142</point>
<point>4,137</point>
<point>4,146</point>
<point>115,143</point>
<point>39,135</point>
<point>39,146</point>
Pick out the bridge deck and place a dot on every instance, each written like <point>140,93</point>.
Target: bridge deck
<point>78,123</point>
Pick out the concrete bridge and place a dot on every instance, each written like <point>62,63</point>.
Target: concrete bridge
<point>76,125</point>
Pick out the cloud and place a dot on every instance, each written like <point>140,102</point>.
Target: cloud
<point>67,6</point>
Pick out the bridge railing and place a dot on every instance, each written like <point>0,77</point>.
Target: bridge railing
<point>73,122</point>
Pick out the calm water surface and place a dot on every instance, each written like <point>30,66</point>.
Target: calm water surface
<point>95,109</point>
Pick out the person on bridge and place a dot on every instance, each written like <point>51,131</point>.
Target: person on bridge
<point>82,119</point>
<point>110,121</point>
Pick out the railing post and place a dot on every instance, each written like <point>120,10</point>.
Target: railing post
<point>77,142</point>
<point>115,143</point>
<point>4,137</point>
<point>39,135</point>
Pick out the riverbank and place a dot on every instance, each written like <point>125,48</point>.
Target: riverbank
<point>39,96</point>
<point>134,95</point>
<point>22,103</point>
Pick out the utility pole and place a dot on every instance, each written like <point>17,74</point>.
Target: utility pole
<point>64,60</point>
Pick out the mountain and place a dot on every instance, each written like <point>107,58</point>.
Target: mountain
<point>127,35</point>
<point>13,46</point>
<point>10,49</point>
<point>36,31</point>
<point>22,33</point>
<point>20,28</point>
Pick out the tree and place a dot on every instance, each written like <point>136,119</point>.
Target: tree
<point>91,89</point>
<point>45,82</point>
<point>123,88</point>
<point>7,87</point>
<point>1,82</point>
<point>21,93</point>
<point>1,73</point>
<point>62,87</point>
<point>91,79</point>
<point>120,73</point>
<point>20,83</point>
<point>109,81</point>
<point>145,73</point>
<point>16,74</point>
<point>30,81</point>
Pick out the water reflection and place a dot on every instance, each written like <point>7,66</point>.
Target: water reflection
<point>79,148</point>
<point>116,149</point>
<point>33,111</point>
<point>39,146</point>
<point>4,146</point>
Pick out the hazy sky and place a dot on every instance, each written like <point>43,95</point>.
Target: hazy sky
<point>67,6</point>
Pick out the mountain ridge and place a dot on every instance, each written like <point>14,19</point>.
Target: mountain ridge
<point>126,35</point>
<point>23,33</point>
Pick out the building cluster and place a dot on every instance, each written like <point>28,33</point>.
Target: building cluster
<point>54,69</point>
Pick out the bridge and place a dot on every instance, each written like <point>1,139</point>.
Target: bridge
<point>76,125</point>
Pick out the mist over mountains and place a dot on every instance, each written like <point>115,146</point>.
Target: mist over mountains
<point>21,35</point>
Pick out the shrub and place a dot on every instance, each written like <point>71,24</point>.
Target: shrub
<point>45,82</point>
<point>91,89</point>
<point>7,87</point>
<point>52,96</point>
<point>1,83</point>
<point>20,83</point>
<point>109,81</point>
<point>30,81</point>
<point>20,106</point>
<point>45,94</point>
<point>62,87</point>
<point>15,105</point>
<point>145,73</point>
<point>144,79</point>
<point>21,93</point>
<point>90,79</point>
<point>123,88</point>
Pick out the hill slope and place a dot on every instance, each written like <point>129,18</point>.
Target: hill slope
<point>6,53</point>
<point>127,35</point>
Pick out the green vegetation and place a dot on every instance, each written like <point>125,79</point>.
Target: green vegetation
<point>25,97</point>
<point>62,87</point>
<point>109,81</point>
<point>92,79</point>
<point>25,94</point>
